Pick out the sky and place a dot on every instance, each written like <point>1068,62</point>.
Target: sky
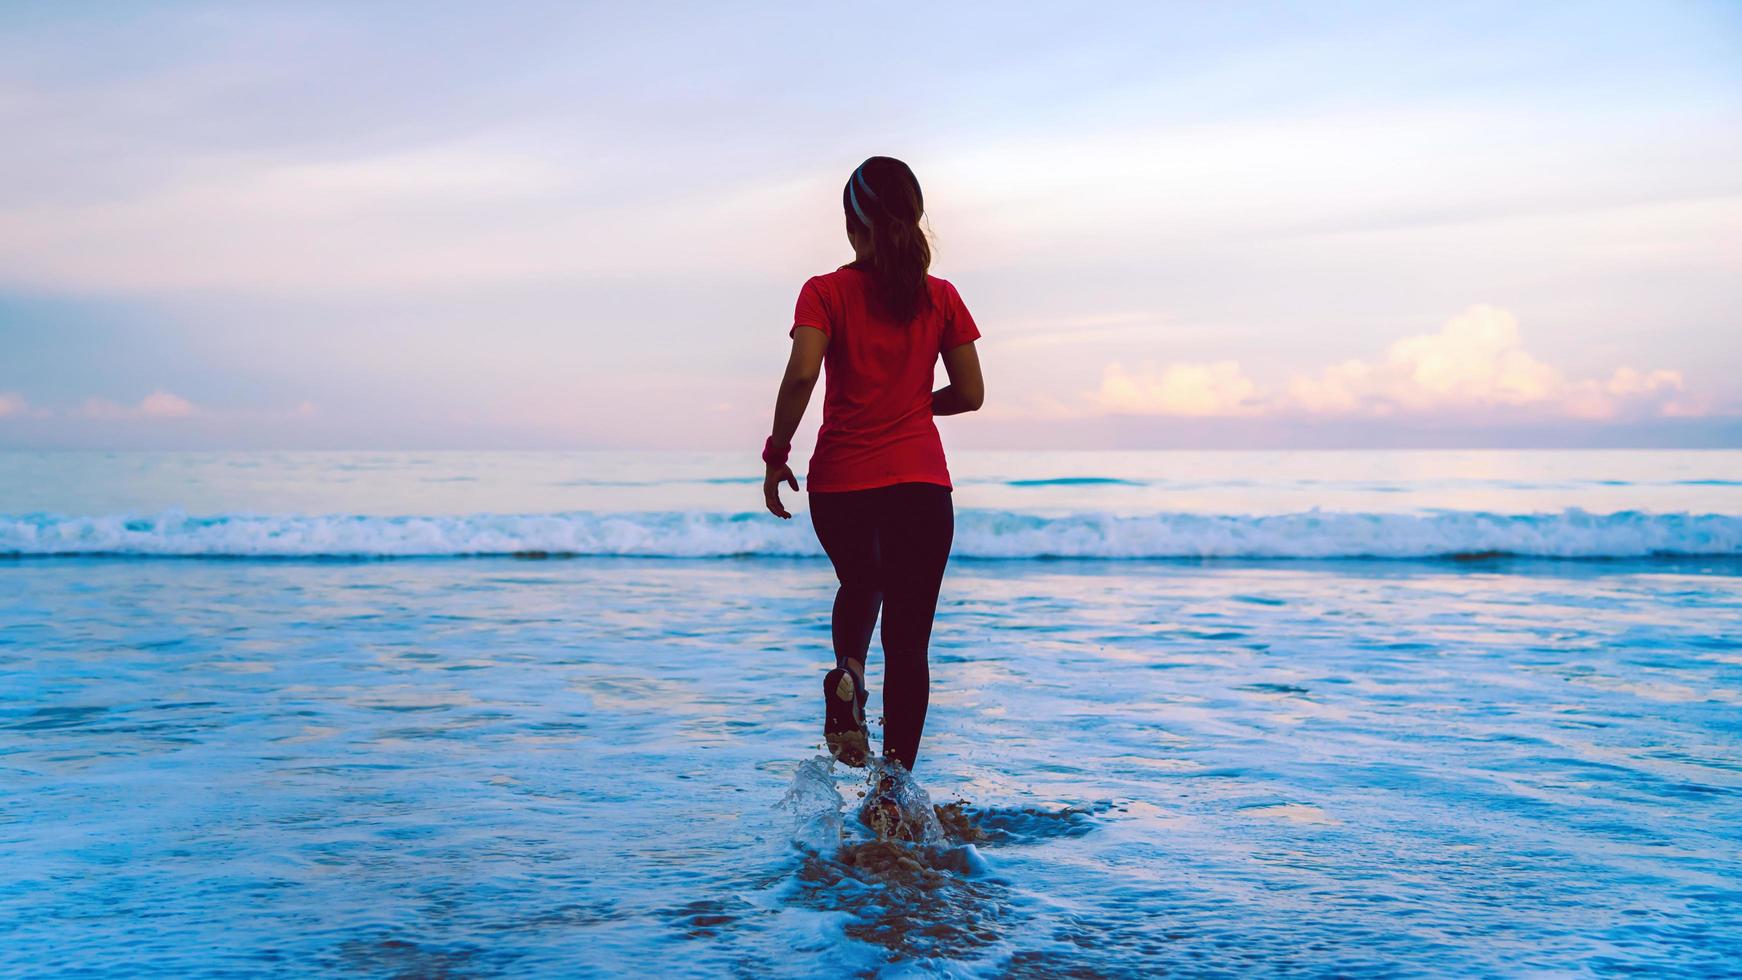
<point>454,225</point>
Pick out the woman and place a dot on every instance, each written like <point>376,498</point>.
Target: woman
<point>879,487</point>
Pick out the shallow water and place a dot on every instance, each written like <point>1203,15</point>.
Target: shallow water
<point>1126,483</point>
<point>501,766</point>
<point>253,763</point>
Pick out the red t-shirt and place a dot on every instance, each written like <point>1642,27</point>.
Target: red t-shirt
<point>877,425</point>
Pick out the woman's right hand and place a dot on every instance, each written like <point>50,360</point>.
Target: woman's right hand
<point>772,478</point>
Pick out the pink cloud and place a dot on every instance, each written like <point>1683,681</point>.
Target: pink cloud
<point>157,405</point>
<point>1475,364</point>
<point>1199,390</point>
<point>164,405</point>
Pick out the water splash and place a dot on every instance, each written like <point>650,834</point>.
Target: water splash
<point>898,808</point>
<point>895,808</point>
<point>815,804</point>
<point>903,884</point>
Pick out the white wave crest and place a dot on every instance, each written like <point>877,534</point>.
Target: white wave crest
<point>979,534</point>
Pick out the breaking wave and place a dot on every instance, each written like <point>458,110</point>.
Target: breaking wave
<point>979,534</point>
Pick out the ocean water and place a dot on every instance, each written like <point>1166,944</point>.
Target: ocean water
<point>528,714</point>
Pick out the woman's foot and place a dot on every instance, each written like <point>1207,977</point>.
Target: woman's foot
<point>844,718</point>
<point>883,814</point>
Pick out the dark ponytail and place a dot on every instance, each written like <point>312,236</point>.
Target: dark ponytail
<point>884,204</point>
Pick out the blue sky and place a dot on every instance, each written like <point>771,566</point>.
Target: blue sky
<point>451,225</point>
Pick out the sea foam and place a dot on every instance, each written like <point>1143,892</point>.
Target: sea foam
<point>979,534</point>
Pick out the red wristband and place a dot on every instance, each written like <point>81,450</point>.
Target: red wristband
<point>775,455</point>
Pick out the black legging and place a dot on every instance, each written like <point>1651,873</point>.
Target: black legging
<point>889,546</point>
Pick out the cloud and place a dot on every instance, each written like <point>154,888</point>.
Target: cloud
<point>162,404</point>
<point>157,405</point>
<point>1217,389</point>
<point>15,406</point>
<point>1475,362</point>
<point>1475,365</point>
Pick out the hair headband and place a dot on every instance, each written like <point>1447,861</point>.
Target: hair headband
<point>853,195</point>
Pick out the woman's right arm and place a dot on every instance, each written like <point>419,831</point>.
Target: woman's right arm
<point>966,390</point>
<point>803,366</point>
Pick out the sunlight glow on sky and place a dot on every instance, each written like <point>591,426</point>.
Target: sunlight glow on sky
<point>449,225</point>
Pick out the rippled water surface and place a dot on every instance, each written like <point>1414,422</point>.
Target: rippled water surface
<point>509,767</point>
<point>355,735</point>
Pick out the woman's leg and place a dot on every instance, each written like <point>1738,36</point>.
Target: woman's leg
<point>915,523</point>
<point>845,526</point>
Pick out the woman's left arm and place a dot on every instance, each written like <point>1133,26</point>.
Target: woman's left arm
<point>803,367</point>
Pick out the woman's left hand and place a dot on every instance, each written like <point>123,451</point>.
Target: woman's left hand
<point>771,481</point>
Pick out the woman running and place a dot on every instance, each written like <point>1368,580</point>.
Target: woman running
<point>879,488</point>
